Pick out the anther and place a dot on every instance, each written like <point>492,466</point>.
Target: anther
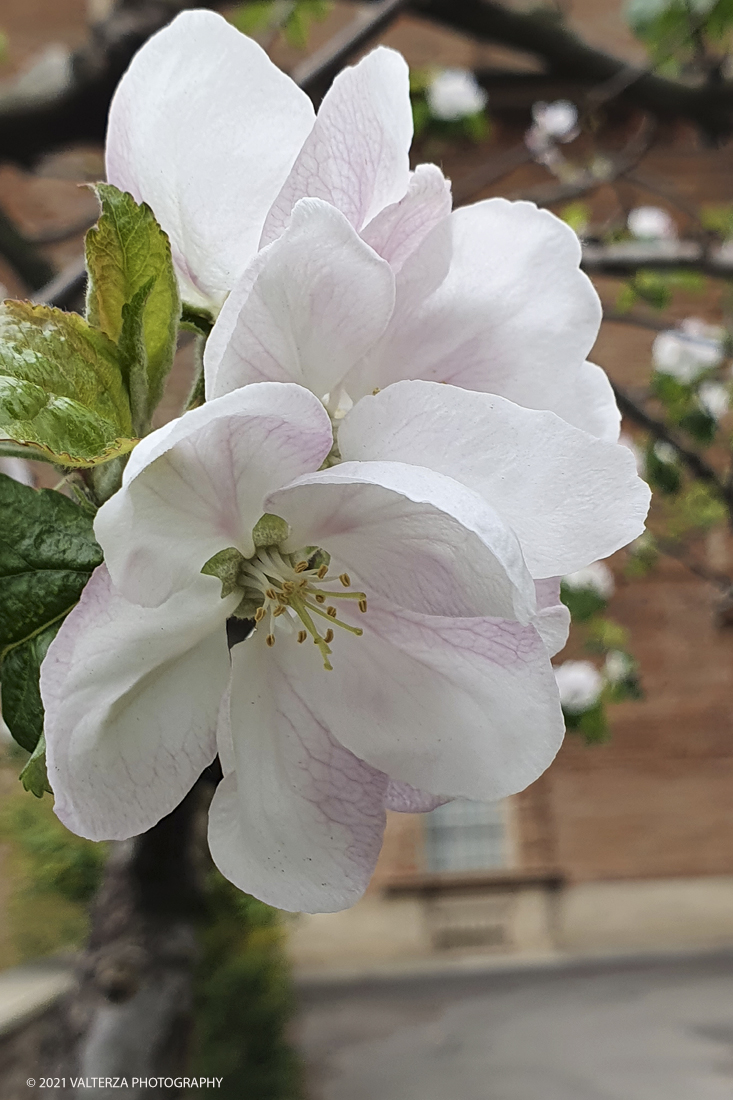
<point>302,635</point>
<point>319,598</point>
<point>328,636</point>
<point>322,572</point>
<point>270,639</point>
<point>260,614</point>
<point>279,610</point>
<point>363,604</point>
<point>332,612</point>
<point>288,587</point>
<point>345,580</point>
<point>271,593</point>
<point>300,566</point>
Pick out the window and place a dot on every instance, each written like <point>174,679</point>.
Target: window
<point>466,836</point>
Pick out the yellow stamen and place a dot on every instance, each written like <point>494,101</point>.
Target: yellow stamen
<point>322,572</point>
<point>302,635</point>
<point>332,612</point>
<point>345,580</point>
<point>328,636</point>
<point>320,598</point>
<point>270,639</point>
<point>301,566</point>
<point>363,604</point>
<point>260,614</point>
<point>279,610</point>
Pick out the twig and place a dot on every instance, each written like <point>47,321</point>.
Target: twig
<point>691,459</point>
<point>314,75</point>
<point>63,289</point>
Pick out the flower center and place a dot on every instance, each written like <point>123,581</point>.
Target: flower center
<point>287,591</point>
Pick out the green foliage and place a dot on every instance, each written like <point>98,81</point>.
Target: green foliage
<point>664,475</point>
<point>243,999</point>
<point>576,215</point>
<point>34,776</point>
<point>643,555</point>
<point>696,509</point>
<point>132,296</point>
<point>718,217</point>
<point>679,27</point>
<point>592,724</point>
<point>49,876</point>
<point>582,603</point>
<point>61,388</point>
<point>656,288</point>
<point>47,554</point>
<point>293,18</point>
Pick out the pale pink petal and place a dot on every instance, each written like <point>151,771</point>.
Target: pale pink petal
<point>552,621</point>
<point>205,128</point>
<point>462,707</point>
<point>356,157</point>
<point>410,536</point>
<point>569,497</point>
<point>514,315</point>
<point>198,485</point>
<point>299,823</point>
<point>131,698</point>
<point>398,230</point>
<point>316,302</point>
<point>401,798</point>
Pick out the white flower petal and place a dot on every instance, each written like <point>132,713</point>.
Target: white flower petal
<point>356,156</point>
<point>205,128</point>
<point>502,308</point>
<point>319,300</point>
<point>463,707</point>
<point>131,698</point>
<point>300,822</point>
<point>411,537</point>
<point>401,798</point>
<point>399,229</point>
<point>569,497</point>
<point>197,486</point>
<point>552,621</point>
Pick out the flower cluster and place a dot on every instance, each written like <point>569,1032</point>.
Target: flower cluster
<point>341,572</point>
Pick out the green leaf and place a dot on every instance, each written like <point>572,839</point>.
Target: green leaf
<point>252,17</point>
<point>47,554</point>
<point>133,295</point>
<point>196,320</point>
<point>61,389</point>
<point>582,603</point>
<point>22,705</point>
<point>34,777</point>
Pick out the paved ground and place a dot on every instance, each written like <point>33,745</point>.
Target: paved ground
<point>616,1031</point>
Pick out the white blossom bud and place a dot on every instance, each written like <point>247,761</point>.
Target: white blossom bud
<point>558,120</point>
<point>596,577</point>
<point>455,94</point>
<point>580,685</point>
<point>686,353</point>
<point>714,398</point>
<point>651,223</point>
<point>665,452</point>
<point>618,666</point>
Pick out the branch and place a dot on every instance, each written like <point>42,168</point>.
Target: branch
<point>626,257</point>
<point>709,106</point>
<point>694,462</point>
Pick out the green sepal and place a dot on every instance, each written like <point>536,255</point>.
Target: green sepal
<point>269,531</point>
<point>34,777</point>
<point>132,295</point>
<point>225,565</point>
<point>61,389</point>
<point>47,554</point>
<point>197,320</point>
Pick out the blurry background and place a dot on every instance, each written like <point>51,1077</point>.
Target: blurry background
<point>473,968</point>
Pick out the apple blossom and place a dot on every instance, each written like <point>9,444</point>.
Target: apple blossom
<point>489,297</point>
<point>454,94</point>
<point>651,223</point>
<point>714,398</point>
<point>427,675</point>
<point>558,120</point>
<point>618,666</point>
<point>580,685</point>
<point>689,351</point>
